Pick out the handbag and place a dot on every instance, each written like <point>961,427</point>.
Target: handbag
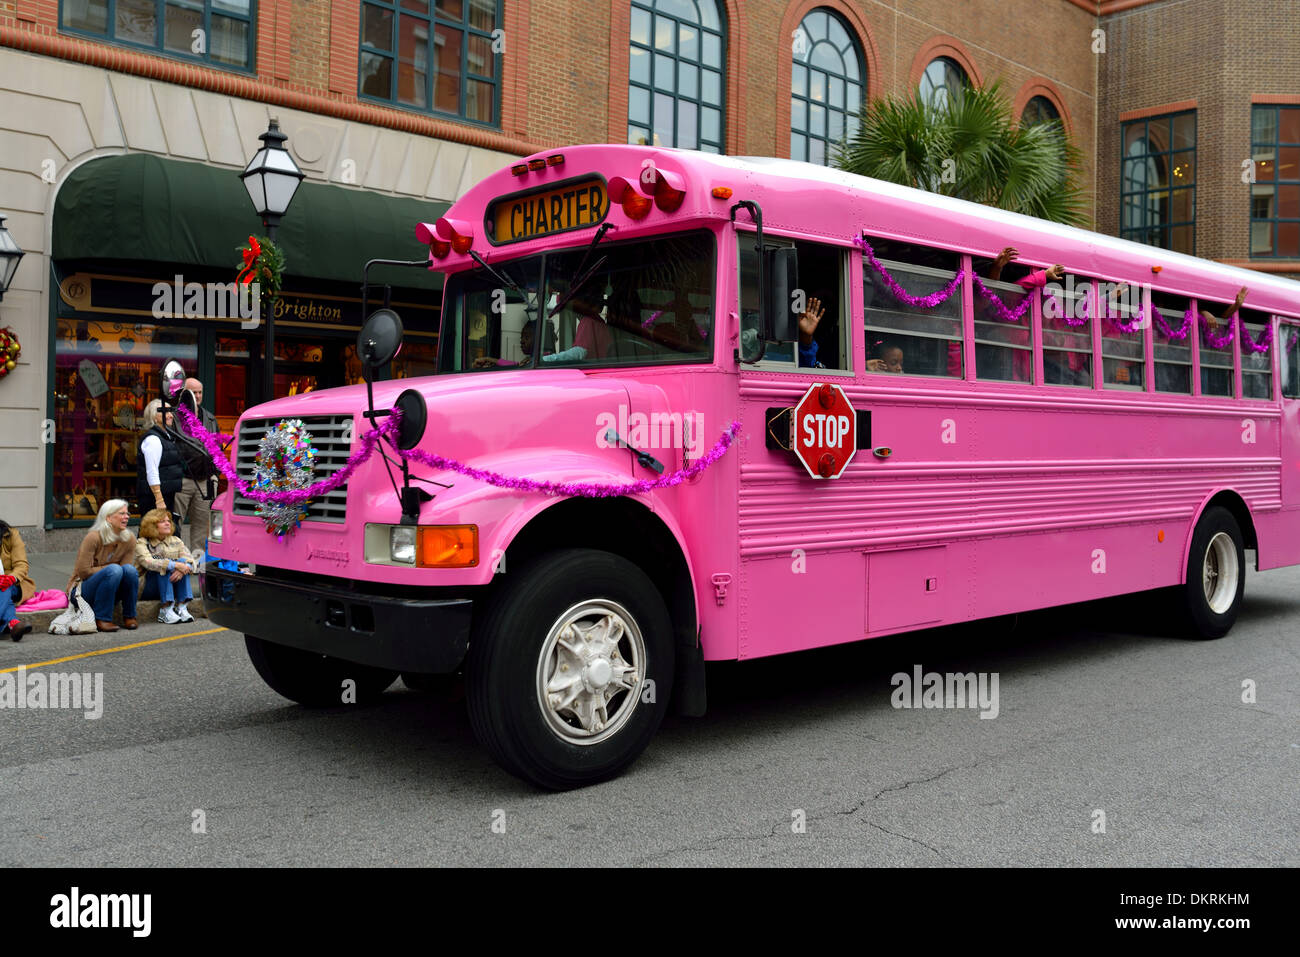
<point>79,619</point>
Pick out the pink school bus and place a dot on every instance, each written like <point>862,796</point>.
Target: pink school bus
<point>1021,440</point>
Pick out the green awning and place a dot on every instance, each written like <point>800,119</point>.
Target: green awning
<point>144,208</point>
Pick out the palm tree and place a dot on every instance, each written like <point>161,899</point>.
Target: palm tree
<point>971,147</point>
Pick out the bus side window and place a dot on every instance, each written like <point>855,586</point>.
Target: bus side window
<point>1173,355</point>
<point>1067,332</point>
<point>821,277</point>
<point>912,339</point>
<point>1290,356</point>
<point>1216,361</point>
<point>1256,364</point>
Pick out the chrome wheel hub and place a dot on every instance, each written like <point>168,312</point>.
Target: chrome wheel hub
<point>590,670</point>
<point>1220,573</point>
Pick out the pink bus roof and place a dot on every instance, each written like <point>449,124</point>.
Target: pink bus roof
<point>819,201</point>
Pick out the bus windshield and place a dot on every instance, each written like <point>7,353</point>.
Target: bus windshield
<point>646,302</point>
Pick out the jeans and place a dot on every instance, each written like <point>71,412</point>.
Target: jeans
<point>9,599</point>
<point>107,587</point>
<point>158,585</point>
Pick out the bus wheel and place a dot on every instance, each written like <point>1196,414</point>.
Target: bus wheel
<point>1216,575</point>
<point>316,681</point>
<point>570,669</point>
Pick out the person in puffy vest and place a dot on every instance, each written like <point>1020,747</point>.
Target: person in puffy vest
<point>160,470</point>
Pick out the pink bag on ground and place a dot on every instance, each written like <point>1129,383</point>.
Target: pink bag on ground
<point>46,600</point>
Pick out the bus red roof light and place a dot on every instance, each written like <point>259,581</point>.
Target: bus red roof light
<point>440,248</point>
<point>666,197</point>
<point>461,244</point>
<point>636,206</point>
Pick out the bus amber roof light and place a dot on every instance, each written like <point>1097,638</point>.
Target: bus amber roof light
<point>447,546</point>
<point>555,159</point>
<point>722,192</point>
<point>519,169</point>
<point>537,164</point>
<point>461,243</point>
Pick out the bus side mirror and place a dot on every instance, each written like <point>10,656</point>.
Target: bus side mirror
<point>782,281</point>
<point>379,341</point>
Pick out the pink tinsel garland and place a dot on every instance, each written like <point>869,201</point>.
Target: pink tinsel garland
<point>370,440</point>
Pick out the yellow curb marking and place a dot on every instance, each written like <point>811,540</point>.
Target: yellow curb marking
<point>109,651</point>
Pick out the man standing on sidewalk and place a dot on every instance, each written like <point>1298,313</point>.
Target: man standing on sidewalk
<point>198,488</point>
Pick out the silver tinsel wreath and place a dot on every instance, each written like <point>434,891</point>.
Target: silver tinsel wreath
<point>284,462</point>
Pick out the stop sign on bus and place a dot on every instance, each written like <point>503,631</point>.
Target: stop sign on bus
<point>825,428</point>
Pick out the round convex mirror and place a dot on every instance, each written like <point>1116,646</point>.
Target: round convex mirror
<point>379,340</point>
<point>173,378</point>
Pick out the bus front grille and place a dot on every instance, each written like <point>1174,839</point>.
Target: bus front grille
<point>331,437</point>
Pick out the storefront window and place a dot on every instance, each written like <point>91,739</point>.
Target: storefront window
<point>105,374</point>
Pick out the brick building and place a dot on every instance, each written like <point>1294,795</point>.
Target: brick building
<point>124,122</point>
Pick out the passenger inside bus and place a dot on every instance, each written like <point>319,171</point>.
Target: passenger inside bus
<point>889,358</point>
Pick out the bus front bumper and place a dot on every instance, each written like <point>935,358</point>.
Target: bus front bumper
<point>400,634</point>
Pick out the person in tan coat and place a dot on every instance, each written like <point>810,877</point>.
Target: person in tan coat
<point>106,566</point>
<point>16,585</point>
<point>165,564</point>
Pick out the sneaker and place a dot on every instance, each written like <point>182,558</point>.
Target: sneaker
<point>168,615</point>
<point>183,613</point>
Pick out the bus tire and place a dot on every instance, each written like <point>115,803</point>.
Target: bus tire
<point>570,668</point>
<point>1211,595</point>
<point>315,681</point>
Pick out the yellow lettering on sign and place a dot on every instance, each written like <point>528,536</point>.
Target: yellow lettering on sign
<point>566,207</point>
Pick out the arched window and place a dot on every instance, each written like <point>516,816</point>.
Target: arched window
<point>826,84</point>
<point>1039,109</point>
<point>942,80</point>
<point>675,74</point>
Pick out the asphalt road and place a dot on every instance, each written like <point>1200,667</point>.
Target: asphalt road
<point>1097,713</point>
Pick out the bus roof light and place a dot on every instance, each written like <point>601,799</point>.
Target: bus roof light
<point>555,159</point>
<point>519,169</point>
<point>440,248</point>
<point>537,164</point>
<point>636,206</point>
<point>666,197</point>
<point>461,243</point>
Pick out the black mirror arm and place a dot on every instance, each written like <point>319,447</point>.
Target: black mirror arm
<point>756,214</point>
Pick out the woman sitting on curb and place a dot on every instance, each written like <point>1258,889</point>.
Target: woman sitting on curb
<point>104,567</point>
<point>164,561</point>
<point>16,585</point>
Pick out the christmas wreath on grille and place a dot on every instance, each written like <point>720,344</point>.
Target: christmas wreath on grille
<point>284,462</point>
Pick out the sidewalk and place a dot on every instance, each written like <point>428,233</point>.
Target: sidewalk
<point>53,569</point>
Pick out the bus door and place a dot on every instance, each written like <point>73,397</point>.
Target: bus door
<point>800,588</point>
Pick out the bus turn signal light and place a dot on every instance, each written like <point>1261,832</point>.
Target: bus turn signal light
<point>447,546</point>
<point>722,192</point>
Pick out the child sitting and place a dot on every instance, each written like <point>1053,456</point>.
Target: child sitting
<point>165,564</point>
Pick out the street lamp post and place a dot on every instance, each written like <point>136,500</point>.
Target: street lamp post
<point>271,178</point>
<point>10,255</point>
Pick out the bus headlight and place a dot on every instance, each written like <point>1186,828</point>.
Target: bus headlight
<point>214,527</point>
<point>401,544</point>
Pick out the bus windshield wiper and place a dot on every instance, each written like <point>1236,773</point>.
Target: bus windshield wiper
<point>577,286</point>
<point>529,305</point>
